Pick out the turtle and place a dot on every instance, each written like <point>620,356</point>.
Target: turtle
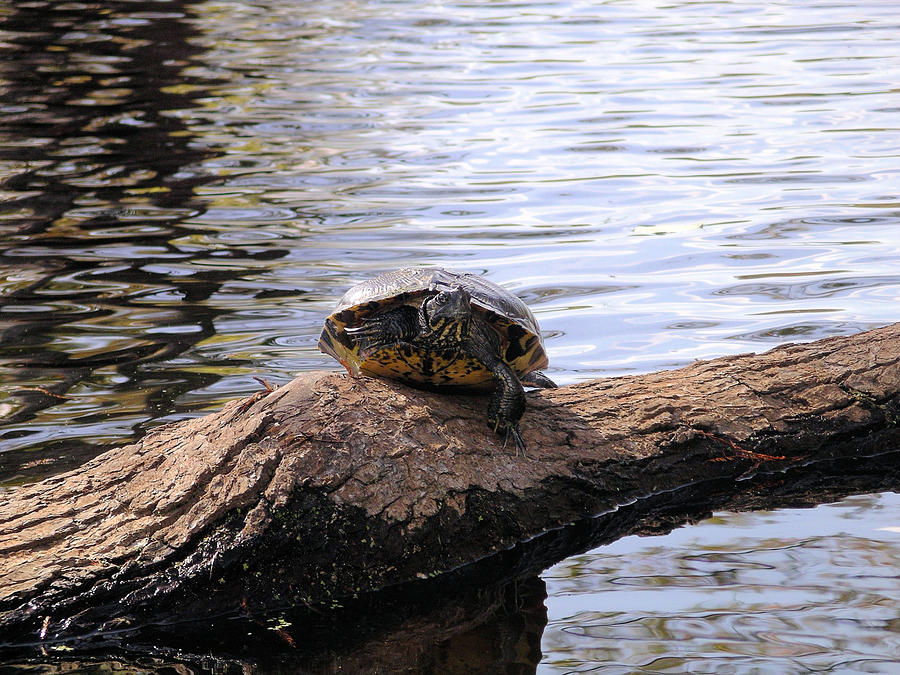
<point>439,328</point>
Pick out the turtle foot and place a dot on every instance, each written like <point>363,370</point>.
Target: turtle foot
<point>368,337</point>
<point>377,332</point>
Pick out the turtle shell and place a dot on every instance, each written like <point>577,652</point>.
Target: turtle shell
<point>521,344</point>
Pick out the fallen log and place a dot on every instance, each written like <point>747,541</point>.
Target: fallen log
<point>329,487</point>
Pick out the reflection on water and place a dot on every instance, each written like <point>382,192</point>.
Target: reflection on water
<point>737,593</point>
<point>187,187</point>
<point>97,180</point>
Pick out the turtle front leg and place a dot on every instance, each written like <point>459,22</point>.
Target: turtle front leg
<point>398,325</point>
<point>507,403</point>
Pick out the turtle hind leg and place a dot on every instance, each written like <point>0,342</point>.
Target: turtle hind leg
<point>537,379</point>
<point>397,325</point>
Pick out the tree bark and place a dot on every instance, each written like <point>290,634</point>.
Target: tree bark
<point>329,488</point>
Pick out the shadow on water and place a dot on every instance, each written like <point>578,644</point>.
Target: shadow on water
<point>99,168</point>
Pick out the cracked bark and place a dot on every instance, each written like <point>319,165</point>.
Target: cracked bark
<point>330,487</point>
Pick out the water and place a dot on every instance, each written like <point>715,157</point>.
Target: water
<point>186,188</point>
<point>738,593</point>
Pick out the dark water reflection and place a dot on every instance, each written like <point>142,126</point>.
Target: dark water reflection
<point>494,631</point>
<point>100,174</point>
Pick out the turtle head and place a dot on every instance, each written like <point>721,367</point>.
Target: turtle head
<point>448,312</point>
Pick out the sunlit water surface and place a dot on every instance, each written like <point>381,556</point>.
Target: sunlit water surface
<point>188,187</point>
<point>791,591</point>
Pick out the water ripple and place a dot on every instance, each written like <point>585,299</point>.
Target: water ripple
<point>756,599</point>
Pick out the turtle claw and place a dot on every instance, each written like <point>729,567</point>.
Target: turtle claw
<point>517,437</point>
<point>507,430</point>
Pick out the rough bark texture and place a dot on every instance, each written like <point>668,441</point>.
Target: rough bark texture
<point>331,487</point>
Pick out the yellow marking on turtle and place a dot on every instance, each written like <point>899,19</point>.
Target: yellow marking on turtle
<point>443,367</point>
<point>460,371</point>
